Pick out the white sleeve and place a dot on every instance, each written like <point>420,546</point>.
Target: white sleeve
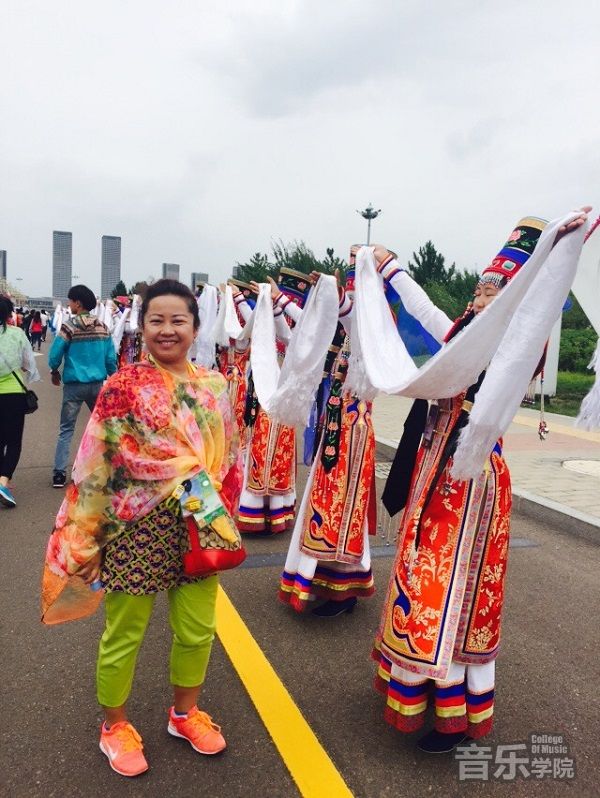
<point>243,307</point>
<point>346,311</point>
<point>28,363</point>
<point>417,303</point>
<point>282,328</point>
<point>289,308</point>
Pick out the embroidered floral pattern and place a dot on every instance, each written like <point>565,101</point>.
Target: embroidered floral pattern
<point>438,579</point>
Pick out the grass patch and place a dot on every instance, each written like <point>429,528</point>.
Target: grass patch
<point>571,387</point>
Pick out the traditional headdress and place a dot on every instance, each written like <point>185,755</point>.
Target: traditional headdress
<point>294,285</point>
<point>515,253</point>
<point>245,288</point>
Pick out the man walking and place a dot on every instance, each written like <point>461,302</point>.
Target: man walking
<point>85,346</point>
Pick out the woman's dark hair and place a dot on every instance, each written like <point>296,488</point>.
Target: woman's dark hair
<point>81,293</point>
<point>37,316</point>
<point>6,309</point>
<point>170,288</point>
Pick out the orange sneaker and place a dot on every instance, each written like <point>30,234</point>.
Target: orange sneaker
<point>123,747</point>
<point>198,729</point>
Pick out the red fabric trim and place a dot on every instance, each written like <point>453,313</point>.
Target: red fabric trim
<point>477,730</point>
<point>450,701</point>
<point>404,723</point>
<point>451,725</point>
<point>292,600</point>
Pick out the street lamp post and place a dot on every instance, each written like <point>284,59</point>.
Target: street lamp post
<point>369,214</point>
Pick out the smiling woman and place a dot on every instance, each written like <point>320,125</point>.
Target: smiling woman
<point>156,425</point>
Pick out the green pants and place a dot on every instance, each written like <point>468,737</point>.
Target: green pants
<point>193,622</point>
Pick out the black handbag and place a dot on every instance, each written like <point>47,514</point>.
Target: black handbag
<point>31,398</point>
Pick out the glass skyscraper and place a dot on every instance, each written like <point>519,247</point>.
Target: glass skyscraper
<point>111,265</point>
<point>62,264</point>
<point>170,271</point>
<point>197,278</point>
<point>3,274</point>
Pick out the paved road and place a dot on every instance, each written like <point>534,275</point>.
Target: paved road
<point>547,673</point>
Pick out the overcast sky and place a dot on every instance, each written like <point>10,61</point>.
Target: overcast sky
<point>201,131</point>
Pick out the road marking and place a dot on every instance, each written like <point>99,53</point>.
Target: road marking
<point>309,764</point>
<point>560,428</point>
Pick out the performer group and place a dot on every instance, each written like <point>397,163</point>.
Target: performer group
<point>449,485</point>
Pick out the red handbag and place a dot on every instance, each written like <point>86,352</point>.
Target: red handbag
<point>213,541</point>
<point>204,556</point>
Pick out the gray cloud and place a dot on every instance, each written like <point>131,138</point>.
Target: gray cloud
<point>201,132</point>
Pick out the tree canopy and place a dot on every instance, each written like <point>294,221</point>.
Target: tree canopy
<point>296,255</point>
<point>120,289</point>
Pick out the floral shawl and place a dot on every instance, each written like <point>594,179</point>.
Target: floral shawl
<point>148,432</point>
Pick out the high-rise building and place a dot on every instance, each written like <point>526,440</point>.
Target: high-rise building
<point>235,272</point>
<point>111,265</point>
<point>62,264</point>
<point>170,271</point>
<point>197,278</point>
<point>3,274</point>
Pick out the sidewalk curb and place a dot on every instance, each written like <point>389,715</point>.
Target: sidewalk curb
<point>566,520</point>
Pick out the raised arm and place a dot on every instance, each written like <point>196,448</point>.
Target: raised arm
<point>242,305</point>
<point>414,298</point>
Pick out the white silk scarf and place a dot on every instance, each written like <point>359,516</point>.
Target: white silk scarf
<point>204,350</point>
<point>227,325</point>
<point>287,394</point>
<point>507,340</point>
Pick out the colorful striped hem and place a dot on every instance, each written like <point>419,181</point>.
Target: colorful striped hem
<point>480,712</point>
<point>261,519</point>
<point>297,590</point>
<point>329,583</point>
<point>406,704</point>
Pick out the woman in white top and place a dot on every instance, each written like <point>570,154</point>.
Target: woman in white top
<point>17,367</point>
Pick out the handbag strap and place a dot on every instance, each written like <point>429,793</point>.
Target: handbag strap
<point>20,381</point>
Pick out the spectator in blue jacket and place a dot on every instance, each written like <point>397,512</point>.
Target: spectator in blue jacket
<point>85,346</point>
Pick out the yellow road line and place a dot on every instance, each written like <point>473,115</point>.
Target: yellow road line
<point>309,764</point>
<point>525,421</point>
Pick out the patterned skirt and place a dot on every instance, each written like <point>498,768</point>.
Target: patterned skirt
<point>146,557</point>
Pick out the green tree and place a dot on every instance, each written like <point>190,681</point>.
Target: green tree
<point>256,268</point>
<point>576,349</point>
<point>575,318</point>
<point>429,266</point>
<point>462,289</point>
<point>441,295</point>
<point>331,262</point>
<point>296,255</point>
<point>120,289</point>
